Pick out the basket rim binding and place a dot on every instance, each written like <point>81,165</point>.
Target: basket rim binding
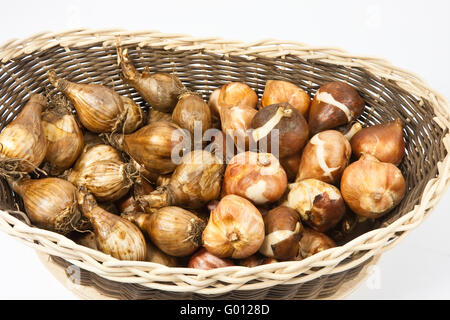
<point>222,280</point>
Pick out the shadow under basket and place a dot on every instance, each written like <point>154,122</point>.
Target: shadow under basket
<point>89,56</point>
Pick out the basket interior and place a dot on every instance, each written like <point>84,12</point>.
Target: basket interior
<point>203,72</point>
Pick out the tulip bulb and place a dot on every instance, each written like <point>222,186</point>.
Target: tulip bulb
<point>129,204</point>
<point>154,254</point>
<point>291,129</point>
<point>100,168</point>
<point>258,177</point>
<point>372,188</point>
<point>114,235</point>
<point>335,103</point>
<point>325,157</point>
<point>176,231</point>
<point>319,204</point>
<point>23,145</point>
<point>152,146</point>
<point>107,180</point>
<point>290,165</point>
<point>214,107</point>
<point>313,242</point>
<point>159,90</point>
<point>194,182</point>
<point>192,112</point>
<point>50,203</point>
<point>278,91</point>
<point>155,115</point>
<point>64,136</point>
<point>99,108</point>
<point>383,141</point>
<point>205,260</point>
<point>237,103</point>
<point>235,229</point>
<point>283,230</point>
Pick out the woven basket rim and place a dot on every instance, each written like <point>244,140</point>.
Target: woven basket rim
<point>222,280</point>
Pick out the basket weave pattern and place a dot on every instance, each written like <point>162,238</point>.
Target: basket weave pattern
<point>204,64</point>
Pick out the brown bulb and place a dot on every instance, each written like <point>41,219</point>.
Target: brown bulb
<point>153,145</point>
<point>235,229</point>
<point>155,115</point>
<point>283,124</point>
<point>313,242</point>
<point>290,165</point>
<point>50,203</point>
<point>383,141</point>
<point>114,235</point>
<point>64,135</point>
<point>237,108</point>
<point>372,188</point>
<point>335,103</point>
<point>23,143</point>
<point>194,182</point>
<point>192,112</point>
<point>257,177</point>
<point>283,230</point>
<point>214,107</point>
<point>99,108</point>
<point>159,90</point>
<point>176,231</point>
<point>278,91</point>
<point>319,204</point>
<point>205,260</point>
<point>325,157</point>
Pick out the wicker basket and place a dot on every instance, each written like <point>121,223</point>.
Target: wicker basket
<point>204,64</point>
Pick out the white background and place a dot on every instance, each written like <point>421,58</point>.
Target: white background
<point>414,35</point>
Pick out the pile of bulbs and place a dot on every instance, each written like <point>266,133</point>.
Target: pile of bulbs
<point>112,182</point>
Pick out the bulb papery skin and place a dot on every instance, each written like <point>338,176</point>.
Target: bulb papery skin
<point>383,141</point>
<point>159,90</point>
<point>334,104</point>
<point>196,181</point>
<point>205,260</point>
<point>50,203</point>
<point>24,138</point>
<point>65,140</point>
<point>235,229</point>
<point>114,235</point>
<point>372,188</point>
<point>325,157</point>
<point>278,91</point>
<point>319,204</point>
<point>258,177</point>
<point>175,231</point>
